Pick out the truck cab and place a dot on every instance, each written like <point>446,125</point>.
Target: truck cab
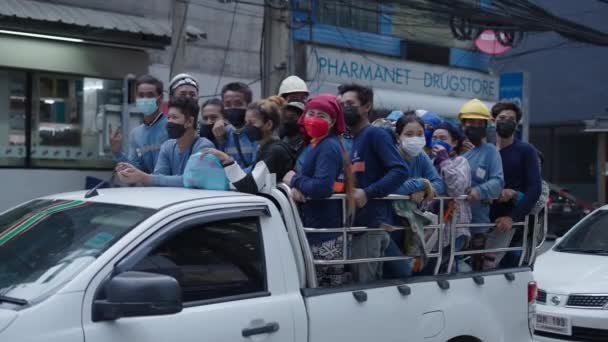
<point>168,264</point>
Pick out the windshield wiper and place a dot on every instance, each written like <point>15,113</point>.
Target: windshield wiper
<point>12,300</point>
<point>582,250</point>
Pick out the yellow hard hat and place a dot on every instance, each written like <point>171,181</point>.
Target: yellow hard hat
<point>474,109</point>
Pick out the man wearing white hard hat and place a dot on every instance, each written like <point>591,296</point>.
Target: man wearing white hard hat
<point>294,89</point>
<point>183,85</point>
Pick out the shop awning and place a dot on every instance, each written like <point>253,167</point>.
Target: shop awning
<point>84,23</point>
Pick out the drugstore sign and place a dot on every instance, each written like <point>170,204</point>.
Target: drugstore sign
<point>334,66</point>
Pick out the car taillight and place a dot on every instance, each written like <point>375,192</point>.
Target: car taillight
<point>532,291</point>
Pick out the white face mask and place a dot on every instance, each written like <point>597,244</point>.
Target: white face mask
<point>413,146</point>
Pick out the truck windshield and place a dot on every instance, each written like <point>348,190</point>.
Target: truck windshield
<point>44,243</point>
<point>590,237</point>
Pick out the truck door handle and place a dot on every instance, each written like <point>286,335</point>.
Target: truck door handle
<point>264,329</point>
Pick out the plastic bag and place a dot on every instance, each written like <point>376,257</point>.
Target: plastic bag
<point>205,173</point>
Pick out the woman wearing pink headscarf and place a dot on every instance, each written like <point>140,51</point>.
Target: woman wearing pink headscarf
<point>325,170</point>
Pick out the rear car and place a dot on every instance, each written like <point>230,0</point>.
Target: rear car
<point>572,302</point>
<point>565,210</point>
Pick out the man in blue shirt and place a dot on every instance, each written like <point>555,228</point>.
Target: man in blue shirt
<point>379,170</point>
<point>236,97</point>
<point>486,172</point>
<point>144,140</point>
<point>522,175</point>
<point>174,153</point>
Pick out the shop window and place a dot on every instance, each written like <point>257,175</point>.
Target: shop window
<point>360,15</point>
<point>71,117</point>
<point>69,120</point>
<point>12,117</point>
<point>426,53</point>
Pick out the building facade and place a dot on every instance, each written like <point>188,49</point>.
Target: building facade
<point>64,75</point>
<point>567,88</point>
<point>412,63</point>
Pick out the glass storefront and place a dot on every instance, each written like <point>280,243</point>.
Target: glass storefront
<point>12,118</point>
<point>70,119</point>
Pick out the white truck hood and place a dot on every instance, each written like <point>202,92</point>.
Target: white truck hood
<point>6,318</point>
<point>566,273</point>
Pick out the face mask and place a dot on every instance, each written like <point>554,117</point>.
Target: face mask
<point>413,146</point>
<point>146,105</point>
<point>505,128</point>
<point>445,145</point>
<point>475,134</point>
<point>175,130</point>
<point>252,132</point>
<point>206,131</point>
<point>316,127</point>
<point>236,116</point>
<point>351,116</point>
<point>289,128</point>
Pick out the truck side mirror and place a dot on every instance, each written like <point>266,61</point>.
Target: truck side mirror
<point>135,294</point>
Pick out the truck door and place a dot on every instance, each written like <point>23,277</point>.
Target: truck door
<point>229,269</point>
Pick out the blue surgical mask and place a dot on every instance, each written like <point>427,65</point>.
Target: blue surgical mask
<point>447,146</point>
<point>146,105</point>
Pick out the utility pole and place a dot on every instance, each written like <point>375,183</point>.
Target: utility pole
<point>178,37</point>
<point>276,45</point>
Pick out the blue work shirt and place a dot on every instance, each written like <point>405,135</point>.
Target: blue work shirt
<point>379,170</point>
<point>322,166</point>
<point>144,144</point>
<point>421,167</point>
<point>487,177</point>
<point>172,162</point>
<point>249,148</point>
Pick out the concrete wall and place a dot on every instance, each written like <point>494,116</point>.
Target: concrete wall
<point>204,57</point>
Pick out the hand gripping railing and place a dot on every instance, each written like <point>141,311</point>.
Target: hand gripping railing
<point>438,255</point>
<point>345,230</point>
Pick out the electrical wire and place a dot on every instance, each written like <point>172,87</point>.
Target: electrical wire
<point>180,36</point>
<point>240,12</point>
<point>219,80</point>
<point>507,15</point>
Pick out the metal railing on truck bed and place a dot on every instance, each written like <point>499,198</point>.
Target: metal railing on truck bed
<point>526,258</point>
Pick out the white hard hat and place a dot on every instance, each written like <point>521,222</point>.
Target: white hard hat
<point>292,84</point>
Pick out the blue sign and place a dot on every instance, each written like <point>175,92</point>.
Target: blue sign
<point>335,66</point>
<point>512,88</point>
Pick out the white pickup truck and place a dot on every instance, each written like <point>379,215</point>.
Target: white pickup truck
<point>151,264</point>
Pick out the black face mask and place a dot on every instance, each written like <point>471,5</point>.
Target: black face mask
<point>206,131</point>
<point>475,134</point>
<point>505,128</point>
<point>351,116</point>
<point>175,131</point>
<point>289,128</point>
<point>252,132</point>
<point>236,116</point>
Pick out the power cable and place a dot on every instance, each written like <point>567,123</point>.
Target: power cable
<point>240,12</point>
<point>180,35</point>
<point>219,80</point>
